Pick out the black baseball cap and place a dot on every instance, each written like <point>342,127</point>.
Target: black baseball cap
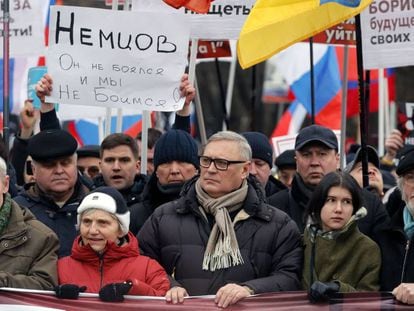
<point>316,134</point>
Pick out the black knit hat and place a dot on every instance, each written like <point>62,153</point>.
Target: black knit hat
<point>109,200</point>
<point>51,144</point>
<point>175,145</point>
<point>316,133</point>
<point>406,161</point>
<point>261,148</point>
<point>286,159</point>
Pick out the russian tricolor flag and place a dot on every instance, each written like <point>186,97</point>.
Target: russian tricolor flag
<point>294,64</point>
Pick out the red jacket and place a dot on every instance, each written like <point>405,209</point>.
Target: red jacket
<point>85,267</point>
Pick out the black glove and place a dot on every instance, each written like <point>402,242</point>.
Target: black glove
<point>114,292</point>
<point>320,291</point>
<point>69,291</point>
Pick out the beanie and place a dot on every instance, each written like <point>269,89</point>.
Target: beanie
<point>261,148</point>
<point>175,145</point>
<point>109,200</point>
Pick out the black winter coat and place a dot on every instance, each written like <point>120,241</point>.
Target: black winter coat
<point>177,233</point>
<point>294,202</point>
<point>273,186</point>
<point>397,252</point>
<point>62,220</point>
<point>152,196</point>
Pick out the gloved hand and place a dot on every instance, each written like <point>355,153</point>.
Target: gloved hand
<point>320,291</point>
<point>114,292</point>
<point>69,291</point>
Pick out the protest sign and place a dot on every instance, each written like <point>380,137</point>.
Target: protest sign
<point>223,21</point>
<point>117,59</point>
<point>387,34</point>
<point>26,27</point>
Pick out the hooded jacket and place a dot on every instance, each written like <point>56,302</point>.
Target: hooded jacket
<point>176,236</point>
<point>347,256</point>
<point>116,265</point>
<point>28,252</point>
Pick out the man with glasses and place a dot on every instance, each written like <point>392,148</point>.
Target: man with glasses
<point>220,237</point>
<point>397,240</point>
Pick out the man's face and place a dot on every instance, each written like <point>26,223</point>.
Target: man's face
<point>314,161</point>
<point>408,187</point>
<point>261,170</point>
<point>217,182</point>
<point>56,177</point>
<point>175,172</point>
<point>150,157</point>
<point>374,175</point>
<point>119,167</point>
<point>286,176</point>
<point>89,166</point>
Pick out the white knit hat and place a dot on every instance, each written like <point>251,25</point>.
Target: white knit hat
<point>109,200</point>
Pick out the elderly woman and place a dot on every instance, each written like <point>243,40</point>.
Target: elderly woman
<point>338,257</point>
<point>105,257</point>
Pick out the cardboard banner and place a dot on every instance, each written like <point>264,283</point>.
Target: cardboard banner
<point>223,21</point>
<point>388,34</point>
<point>118,59</point>
<point>26,27</point>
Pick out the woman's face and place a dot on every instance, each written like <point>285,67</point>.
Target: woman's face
<point>97,227</point>
<point>337,209</point>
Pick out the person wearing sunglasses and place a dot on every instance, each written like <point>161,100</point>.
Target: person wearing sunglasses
<point>220,237</point>
<point>88,161</point>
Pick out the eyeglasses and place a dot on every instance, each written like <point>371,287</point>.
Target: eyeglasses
<point>220,164</point>
<point>91,170</point>
<point>409,179</point>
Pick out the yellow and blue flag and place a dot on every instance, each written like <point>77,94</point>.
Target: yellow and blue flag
<point>273,25</point>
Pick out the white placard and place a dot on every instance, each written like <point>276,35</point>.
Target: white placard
<point>388,34</point>
<point>224,20</point>
<point>26,29</point>
<point>118,59</point>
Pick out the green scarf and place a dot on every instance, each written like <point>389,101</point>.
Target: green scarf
<point>5,211</point>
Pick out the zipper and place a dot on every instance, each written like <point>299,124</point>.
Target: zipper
<point>407,247</point>
<point>101,266</point>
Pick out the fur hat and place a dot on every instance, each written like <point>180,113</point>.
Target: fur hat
<point>51,144</point>
<point>109,200</point>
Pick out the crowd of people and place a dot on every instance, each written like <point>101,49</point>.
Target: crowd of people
<point>211,219</point>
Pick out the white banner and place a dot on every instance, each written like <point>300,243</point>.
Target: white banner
<point>119,59</point>
<point>26,28</point>
<point>388,34</point>
<point>223,21</point>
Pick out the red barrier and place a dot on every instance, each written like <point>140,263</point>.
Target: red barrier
<point>289,301</point>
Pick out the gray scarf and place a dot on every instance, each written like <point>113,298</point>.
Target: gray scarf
<point>222,250</point>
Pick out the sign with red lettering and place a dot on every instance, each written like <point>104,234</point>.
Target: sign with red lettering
<point>109,2</point>
<point>388,34</point>
<point>213,49</point>
<point>343,33</point>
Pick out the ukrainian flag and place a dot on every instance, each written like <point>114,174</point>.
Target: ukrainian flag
<point>273,25</point>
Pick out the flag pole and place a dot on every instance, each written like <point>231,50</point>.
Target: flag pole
<point>312,81</point>
<point>6,72</point>
<point>362,102</point>
<point>344,105</point>
<point>222,92</point>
